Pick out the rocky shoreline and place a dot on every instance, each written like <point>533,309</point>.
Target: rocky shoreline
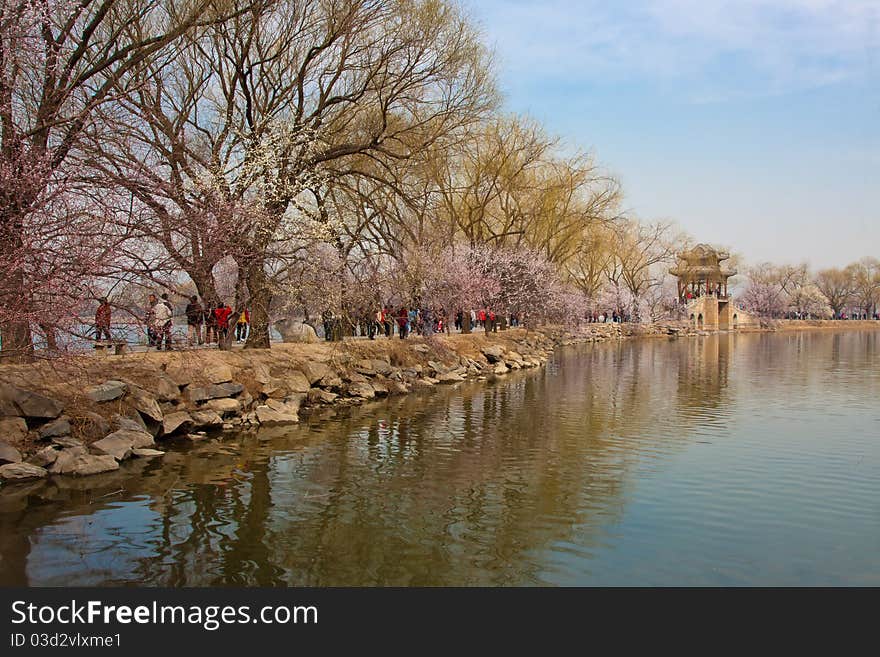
<point>135,404</point>
<point>52,424</point>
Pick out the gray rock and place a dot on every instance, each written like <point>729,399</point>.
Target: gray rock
<point>13,429</point>
<point>166,389</point>
<point>356,378</point>
<point>382,366</point>
<point>513,356</point>
<point>493,353</point>
<point>115,446</point>
<point>107,391</point>
<point>214,391</point>
<point>262,373</point>
<point>66,441</point>
<point>297,332</point>
<point>500,368</point>
<point>145,404</point>
<point>297,382</point>
<point>90,464</point>
<point>397,388</point>
<point>268,416</point>
<point>365,367</point>
<point>182,376</point>
<point>274,389</point>
<point>421,348</point>
<point>64,461</point>
<point>316,395</point>
<point>362,390</point>
<point>294,402</point>
<point>314,371</point>
<point>380,388</point>
<point>8,453</point>
<point>224,406</point>
<point>205,419</point>
<point>331,382</point>
<point>21,471</point>
<point>59,427</point>
<point>135,423</point>
<point>45,457</point>
<point>179,421</point>
<point>28,403</point>
<point>144,453</point>
<point>219,373</point>
<point>450,377</point>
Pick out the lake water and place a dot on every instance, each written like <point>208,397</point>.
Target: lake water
<point>722,460</point>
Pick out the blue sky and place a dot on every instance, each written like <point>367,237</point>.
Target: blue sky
<point>752,123</point>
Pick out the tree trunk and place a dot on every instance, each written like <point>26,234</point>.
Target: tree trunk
<point>15,335</point>
<point>261,297</point>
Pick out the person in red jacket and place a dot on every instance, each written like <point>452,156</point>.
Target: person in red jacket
<point>102,320</point>
<point>221,316</point>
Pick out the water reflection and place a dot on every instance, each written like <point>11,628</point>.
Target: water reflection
<point>638,462</point>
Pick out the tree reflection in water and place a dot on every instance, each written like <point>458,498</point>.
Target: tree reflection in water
<point>521,481</point>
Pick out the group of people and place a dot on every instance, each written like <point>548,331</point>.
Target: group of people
<point>409,320</point>
<point>217,322</point>
<point>602,318</point>
<point>205,325</point>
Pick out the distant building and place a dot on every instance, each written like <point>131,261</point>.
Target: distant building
<point>703,289</point>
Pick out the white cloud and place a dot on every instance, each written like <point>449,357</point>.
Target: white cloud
<point>754,46</point>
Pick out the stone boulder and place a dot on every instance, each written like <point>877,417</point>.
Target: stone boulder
<point>314,371</point>
<point>225,406</point>
<point>13,429</point>
<point>8,453</point>
<point>107,391</point>
<point>27,403</point>
<point>90,464</point>
<point>166,389</point>
<point>273,389</point>
<point>365,367</point>
<point>133,423</point>
<point>450,377</point>
<point>182,376</point>
<point>120,444</point>
<point>145,404</point>
<point>269,416</point>
<point>21,471</point>
<point>297,332</point>
<point>45,457</point>
<point>500,368</point>
<point>65,460</point>
<point>56,428</point>
<point>206,419</point>
<point>379,388</point>
<point>146,453</point>
<point>361,390</point>
<point>318,396</point>
<point>214,391</point>
<point>66,441</point>
<point>493,353</point>
<point>115,446</point>
<point>298,383</point>
<point>397,388</point>
<point>218,373</point>
<point>179,421</point>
